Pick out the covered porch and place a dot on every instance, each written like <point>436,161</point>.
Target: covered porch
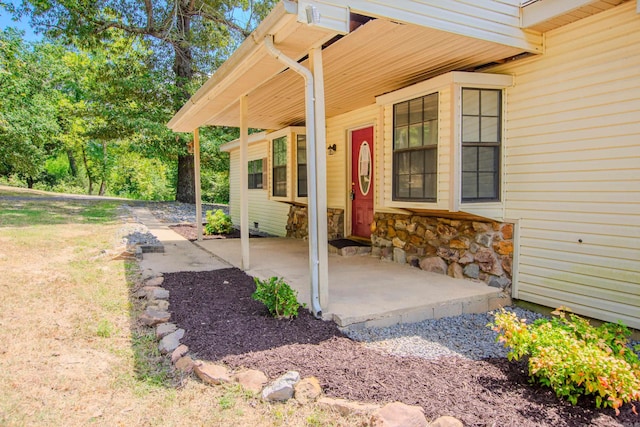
<point>363,291</point>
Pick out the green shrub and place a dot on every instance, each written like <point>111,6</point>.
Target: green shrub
<point>218,223</point>
<point>574,358</point>
<point>280,299</point>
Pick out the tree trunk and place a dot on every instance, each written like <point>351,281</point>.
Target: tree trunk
<point>29,182</point>
<point>72,163</point>
<point>103,188</point>
<point>86,167</point>
<point>183,69</point>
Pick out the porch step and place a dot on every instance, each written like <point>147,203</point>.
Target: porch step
<point>349,247</point>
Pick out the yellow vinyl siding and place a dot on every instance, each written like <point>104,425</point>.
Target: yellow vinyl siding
<point>338,128</point>
<point>270,215</point>
<point>572,174</point>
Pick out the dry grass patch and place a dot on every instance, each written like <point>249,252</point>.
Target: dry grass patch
<point>71,353</point>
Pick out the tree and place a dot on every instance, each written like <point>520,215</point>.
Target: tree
<point>196,34</point>
<point>28,105</point>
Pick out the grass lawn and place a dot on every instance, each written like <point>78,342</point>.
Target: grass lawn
<point>71,352</point>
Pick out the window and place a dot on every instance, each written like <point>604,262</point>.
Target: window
<point>302,165</point>
<point>255,174</point>
<point>481,140</point>
<point>415,149</point>
<point>280,167</point>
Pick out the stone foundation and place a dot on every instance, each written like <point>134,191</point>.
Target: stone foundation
<point>298,223</point>
<point>460,248</point>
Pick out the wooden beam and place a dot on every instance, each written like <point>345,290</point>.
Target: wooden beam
<point>196,170</point>
<point>244,181</point>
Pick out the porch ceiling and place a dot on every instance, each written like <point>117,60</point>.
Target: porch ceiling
<point>379,57</point>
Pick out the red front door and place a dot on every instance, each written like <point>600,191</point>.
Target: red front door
<point>362,182</point>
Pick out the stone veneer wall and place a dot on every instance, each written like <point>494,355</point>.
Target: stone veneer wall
<point>298,223</point>
<point>460,248</point>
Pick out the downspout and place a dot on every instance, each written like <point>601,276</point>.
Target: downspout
<point>311,168</point>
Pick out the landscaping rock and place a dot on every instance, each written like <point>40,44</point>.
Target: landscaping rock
<point>212,374</point>
<point>164,329</point>
<point>152,317</point>
<point>149,274</point>
<point>160,305</point>
<point>399,415</point>
<point>156,292</point>
<point>399,256</point>
<point>346,407</point>
<point>281,389</point>
<point>171,341</point>
<point>307,390</point>
<point>472,271</point>
<point>446,421</point>
<point>180,351</point>
<point>434,264</point>
<point>185,364</point>
<point>499,282</point>
<point>155,281</point>
<point>455,271</point>
<point>252,380</point>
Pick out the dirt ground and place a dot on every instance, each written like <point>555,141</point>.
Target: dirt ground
<point>224,324</point>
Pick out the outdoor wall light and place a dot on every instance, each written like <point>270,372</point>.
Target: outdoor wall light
<point>332,149</point>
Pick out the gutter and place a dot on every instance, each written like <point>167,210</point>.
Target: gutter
<point>314,261</point>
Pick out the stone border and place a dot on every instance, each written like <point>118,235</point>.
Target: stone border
<point>288,386</point>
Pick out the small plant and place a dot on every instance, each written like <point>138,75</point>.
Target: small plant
<point>218,223</point>
<point>573,357</point>
<point>280,299</point>
<point>104,329</point>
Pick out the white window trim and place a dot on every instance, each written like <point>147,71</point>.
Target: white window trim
<point>455,81</point>
<point>290,132</point>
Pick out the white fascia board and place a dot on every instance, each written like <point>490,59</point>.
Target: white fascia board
<point>545,10</point>
<point>638,6</point>
<point>334,17</point>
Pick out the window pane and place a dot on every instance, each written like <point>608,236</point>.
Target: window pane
<point>258,180</point>
<point>402,162</point>
<point>431,161</point>
<point>431,132</point>
<point>401,138</point>
<point>470,129</point>
<point>417,187</point>
<point>490,102</point>
<point>417,162</point>
<point>401,114</point>
<point>415,111</point>
<point>302,180</point>
<point>430,181</point>
<point>302,150</point>
<point>431,107</point>
<point>489,129</point>
<point>403,186</point>
<point>487,159</point>
<point>415,136</point>
<point>470,102</point>
<point>469,185</point>
<point>487,185</point>
<point>469,159</point>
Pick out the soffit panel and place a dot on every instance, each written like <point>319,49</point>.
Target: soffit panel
<point>379,57</point>
<point>576,15</point>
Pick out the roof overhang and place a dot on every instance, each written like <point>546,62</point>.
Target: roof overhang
<point>546,15</point>
<point>380,56</point>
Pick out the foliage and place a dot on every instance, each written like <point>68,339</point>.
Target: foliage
<point>280,299</point>
<point>574,358</point>
<point>218,223</point>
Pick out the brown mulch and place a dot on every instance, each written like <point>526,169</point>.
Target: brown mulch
<point>224,324</point>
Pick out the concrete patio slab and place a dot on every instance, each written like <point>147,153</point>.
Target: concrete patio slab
<point>363,291</point>
<point>179,253</point>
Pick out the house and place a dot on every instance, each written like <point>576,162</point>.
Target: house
<point>494,140</point>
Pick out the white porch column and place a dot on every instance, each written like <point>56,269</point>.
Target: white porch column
<point>315,57</point>
<point>244,182</point>
<point>196,170</point>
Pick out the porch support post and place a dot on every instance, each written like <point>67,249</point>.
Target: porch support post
<point>244,182</point>
<point>315,57</point>
<point>196,170</point>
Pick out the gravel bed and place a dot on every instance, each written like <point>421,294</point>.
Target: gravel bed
<point>176,212</point>
<point>466,336</point>
<point>133,234</point>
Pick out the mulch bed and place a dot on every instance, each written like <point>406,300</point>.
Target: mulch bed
<point>224,324</point>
